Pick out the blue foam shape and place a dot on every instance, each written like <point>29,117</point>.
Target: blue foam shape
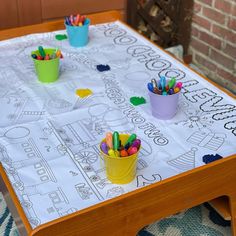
<point>210,158</point>
<point>102,68</point>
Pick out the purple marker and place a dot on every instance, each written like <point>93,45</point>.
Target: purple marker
<point>104,147</point>
<point>67,20</point>
<point>136,143</point>
<point>171,91</point>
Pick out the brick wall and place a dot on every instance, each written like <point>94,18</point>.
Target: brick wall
<point>213,40</point>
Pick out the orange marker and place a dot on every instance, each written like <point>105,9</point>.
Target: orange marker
<point>109,140</point>
<point>77,19</point>
<point>176,89</point>
<point>123,153</point>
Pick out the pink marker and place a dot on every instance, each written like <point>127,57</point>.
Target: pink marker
<point>179,85</point>
<point>71,19</point>
<point>132,150</point>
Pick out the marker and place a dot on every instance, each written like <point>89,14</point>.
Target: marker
<point>123,153</point>
<point>163,82</point>
<point>167,88</point>
<point>104,147</point>
<point>179,85</point>
<point>164,93</point>
<point>157,91</point>
<point>171,91</point>
<point>150,87</point>
<point>41,51</point>
<point>34,56</point>
<point>71,20</point>
<point>58,53</point>
<point>47,57</point>
<point>109,140</point>
<point>53,56</point>
<point>111,153</point>
<point>39,58</point>
<point>77,19</point>
<point>176,89</point>
<point>130,140</point>
<point>82,19</point>
<point>117,153</point>
<point>159,85</point>
<point>154,83</point>
<point>67,20</point>
<point>136,143</point>
<point>172,82</point>
<point>116,140</point>
<point>132,150</point>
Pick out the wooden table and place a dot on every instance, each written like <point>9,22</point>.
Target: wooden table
<point>128,213</point>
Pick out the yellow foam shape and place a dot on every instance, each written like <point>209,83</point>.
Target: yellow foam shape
<point>83,92</point>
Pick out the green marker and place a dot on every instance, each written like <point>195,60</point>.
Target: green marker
<point>41,51</point>
<point>172,82</point>
<point>130,140</point>
<point>116,140</point>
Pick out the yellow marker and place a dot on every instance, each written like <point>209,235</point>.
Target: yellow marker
<point>117,153</point>
<point>111,153</point>
<point>83,92</point>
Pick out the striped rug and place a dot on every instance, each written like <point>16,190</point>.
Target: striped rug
<point>7,225</point>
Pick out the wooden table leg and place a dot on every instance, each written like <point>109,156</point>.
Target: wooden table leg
<point>232,201</point>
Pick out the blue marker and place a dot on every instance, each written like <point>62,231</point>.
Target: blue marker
<point>163,82</point>
<point>164,93</point>
<point>150,87</point>
<point>159,85</point>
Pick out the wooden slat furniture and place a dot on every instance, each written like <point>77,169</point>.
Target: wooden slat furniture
<point>16,13</point>
<point>128,213</point>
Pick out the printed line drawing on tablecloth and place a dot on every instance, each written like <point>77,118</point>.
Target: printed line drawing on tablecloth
<point>184,162</point>
<point>144,181</point>
<point>207,139</point>
<point>17,132</point>
<point>194,118</point>
<point>172,73</point>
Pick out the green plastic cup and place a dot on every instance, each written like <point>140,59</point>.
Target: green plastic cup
<point>47,70</point>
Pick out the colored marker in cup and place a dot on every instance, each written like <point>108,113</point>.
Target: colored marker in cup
<point>116,140</point>
<point>109,140</point>
<point>163,82</point>
<point>150,87</point>
<point>172,83</point>
<point>104,147</point>
<point>130,140</point>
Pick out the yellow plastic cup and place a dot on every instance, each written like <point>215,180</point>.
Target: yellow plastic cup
<point>47,70</point>
<point>120,170</point>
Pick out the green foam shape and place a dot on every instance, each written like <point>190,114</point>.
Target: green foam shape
<point>137,100</point>
<point>61,36</point>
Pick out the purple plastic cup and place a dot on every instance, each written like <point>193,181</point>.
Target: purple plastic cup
<point>164,107</point>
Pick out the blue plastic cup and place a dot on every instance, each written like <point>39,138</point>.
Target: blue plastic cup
<point>78,35</point>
